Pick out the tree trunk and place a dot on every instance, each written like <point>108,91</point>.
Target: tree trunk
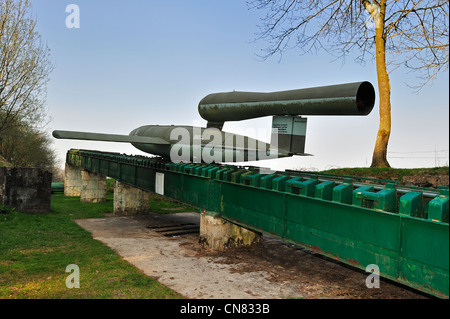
<point>379,158</point>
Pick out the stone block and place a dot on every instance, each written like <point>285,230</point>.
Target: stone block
<point>93,187</point>
<point>26,189</point>
<point>72,181</point>
<point>218,234</point>
<point>130,200</point>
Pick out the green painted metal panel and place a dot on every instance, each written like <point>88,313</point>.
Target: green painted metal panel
<point>145,178</point>
<point>128,173</point>
<point>173,184</point>
<point>195,191</point>
<point>104,167</point>
<point>438,208</point>
<point>189,189</point>
<point>411,204</point>
<point>114,170</point>
<point>266,181</point>
<point>253,206</point>
<point>424,260</point>
<point>336,230</point>
<point>343,193</point>
<point>279,183</point>
<point>325,190</point>
<point>354,235</point>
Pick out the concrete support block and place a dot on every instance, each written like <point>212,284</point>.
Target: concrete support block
<point>129,200</point>
<point>26,189</point>
<point>93,187</point>
<point>72,181</point>
<point>219,234</point>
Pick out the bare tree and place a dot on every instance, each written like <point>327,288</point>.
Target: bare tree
<point>24,65</point>
<point>397,32</point>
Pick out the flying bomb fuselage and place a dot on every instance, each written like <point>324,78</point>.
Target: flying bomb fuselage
<point>187,143</point>
<point>199,144</point>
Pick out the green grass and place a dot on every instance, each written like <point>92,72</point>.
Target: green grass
<point>159,204</point>
<point>35,250</point>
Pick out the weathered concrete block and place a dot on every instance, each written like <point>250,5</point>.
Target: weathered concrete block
<point>219,234</point>
<point>93,187</point>
<point>129,200</point>
<point>26,189</point>
<point>72,181</point>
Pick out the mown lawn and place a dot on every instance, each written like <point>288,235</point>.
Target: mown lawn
<point>35,250</point>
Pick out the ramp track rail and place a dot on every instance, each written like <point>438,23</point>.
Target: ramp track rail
<point>403,231</point>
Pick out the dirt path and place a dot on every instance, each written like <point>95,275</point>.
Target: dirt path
<point>271,270</point>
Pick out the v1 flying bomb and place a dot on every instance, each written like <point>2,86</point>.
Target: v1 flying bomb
<point>212,144</point>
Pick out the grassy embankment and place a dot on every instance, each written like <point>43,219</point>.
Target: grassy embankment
<point>395,174</point>
<point>36,249</point>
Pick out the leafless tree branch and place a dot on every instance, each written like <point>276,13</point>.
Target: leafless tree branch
<point>24,65</point>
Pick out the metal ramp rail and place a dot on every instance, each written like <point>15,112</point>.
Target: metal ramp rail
<point>404,231</point>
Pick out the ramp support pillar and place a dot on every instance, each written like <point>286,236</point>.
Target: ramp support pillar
<point>130,200</point>
<point>93,187</point>
<point>218,234</point>
<point>72,181</point>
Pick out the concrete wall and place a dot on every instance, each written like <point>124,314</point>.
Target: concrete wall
<point>72,181</point>
<point>26,189</point>
<point>218,234</point>
<point>93,187</point>
<point>129,200</point>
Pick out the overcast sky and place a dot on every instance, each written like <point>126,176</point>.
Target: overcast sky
<point>139,62</point>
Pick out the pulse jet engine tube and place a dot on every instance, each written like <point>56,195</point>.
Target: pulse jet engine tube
<point>343,99</point>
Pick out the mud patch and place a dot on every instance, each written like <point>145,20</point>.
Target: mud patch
<point>426,180</point>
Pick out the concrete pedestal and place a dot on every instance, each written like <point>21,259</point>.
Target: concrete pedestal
<point>93,187</point>
<point>129,200</point>
<point>72,181</point>
<point>219,234</point>
<point>26,189</point>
